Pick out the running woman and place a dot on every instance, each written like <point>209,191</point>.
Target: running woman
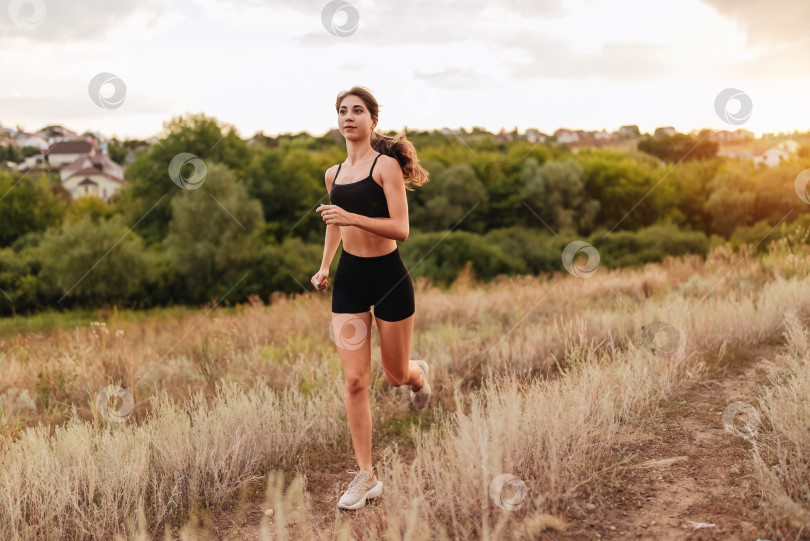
<point>369,213</point>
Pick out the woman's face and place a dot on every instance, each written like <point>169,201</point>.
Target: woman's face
<point>354,120</point>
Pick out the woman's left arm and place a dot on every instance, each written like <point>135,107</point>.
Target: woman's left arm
<point>396,227</point>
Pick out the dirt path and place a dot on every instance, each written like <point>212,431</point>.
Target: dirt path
<point>687,470</point>
<point>325,471</point>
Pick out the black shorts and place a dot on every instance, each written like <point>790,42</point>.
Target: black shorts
<point>382,281</point>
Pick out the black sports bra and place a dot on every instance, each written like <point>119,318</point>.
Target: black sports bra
<point>364,197</point>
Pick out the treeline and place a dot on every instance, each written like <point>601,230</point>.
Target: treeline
<point>251,227</point>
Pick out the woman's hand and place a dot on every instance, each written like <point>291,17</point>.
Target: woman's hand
<point>334,215</point>
<point>319,280</point>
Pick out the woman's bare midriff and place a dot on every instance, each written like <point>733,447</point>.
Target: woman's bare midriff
<point>362,243</point>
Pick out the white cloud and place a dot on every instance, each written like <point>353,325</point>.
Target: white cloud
<point>272,66</point>
<point>83,20</point>
<point>776,22</point>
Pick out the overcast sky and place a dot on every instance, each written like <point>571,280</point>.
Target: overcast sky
<point>274,66</point>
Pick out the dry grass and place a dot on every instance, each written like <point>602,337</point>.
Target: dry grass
<point>782,448</point>
<point>81,480</point>
<point>533,376</point>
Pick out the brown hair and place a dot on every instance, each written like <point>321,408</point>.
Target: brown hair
<point>398,147</point>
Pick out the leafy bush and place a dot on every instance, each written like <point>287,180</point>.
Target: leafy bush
<point>441,256</point>
<point>100,262</point>
<point>654,243</point>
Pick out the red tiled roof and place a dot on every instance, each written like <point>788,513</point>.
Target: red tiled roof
<point>70,147</point>
<point>99,162</point>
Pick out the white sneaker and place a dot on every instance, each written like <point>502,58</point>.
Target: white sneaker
<point>420,398</point>
<point>363,487</point>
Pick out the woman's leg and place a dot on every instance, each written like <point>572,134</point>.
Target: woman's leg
<point>395,347</point>
<point>396,306</point>
<point>353,337</point>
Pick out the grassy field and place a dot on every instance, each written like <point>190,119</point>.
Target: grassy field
<point>238,411</point>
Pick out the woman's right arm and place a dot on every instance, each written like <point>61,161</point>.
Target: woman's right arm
<point>330,243</point>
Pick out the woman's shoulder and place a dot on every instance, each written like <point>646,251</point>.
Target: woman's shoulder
<point>330,174</point>
<point>389,164</point>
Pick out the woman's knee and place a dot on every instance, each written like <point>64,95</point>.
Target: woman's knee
<point>356,383</point>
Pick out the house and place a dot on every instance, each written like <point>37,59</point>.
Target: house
<point>95,160</point>
<point>742,134</point>
<point>721,136</point>
<point>31,140</point>
<point>65,152</point>
<point>258,139</point>
<point>665,131</point>
<point>56,134</point>
<point>503,135</point>
<point>771,157</point>
<point>95,175</point>
<point>132,153</point>
<point>535,136</point>
<point>33,163</point>
<point>566,136</point>
<point>629,131</point>
<point>726,136</point>
<point>736,154</point>
<point>789,145</point>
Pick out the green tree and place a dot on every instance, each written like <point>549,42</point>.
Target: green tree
<point>690,183</point>
<point>441,256</point>
<point>450,196</point>
<point>632,192</point>
<point>14,271</point>
<point>731,200</point>
<point>212,238</point>
<point>776,194</point>
<point>674,148</point>
<point>149,178</point>
<point>289,183</point>
<point>26,204</point>
<point>95,262</point>
<point>88,206</point>
<point>10,153</point>
<point>654,243</point>
<point>555,192</point>
<point>537,248</point>
<point>286,267</point>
